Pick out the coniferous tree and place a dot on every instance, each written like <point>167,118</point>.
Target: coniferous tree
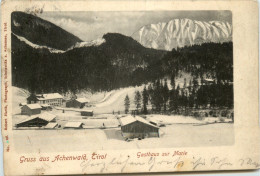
<point>145,100</point>
<point>173,81</point>
<point>151,95</point>
<point>185,94</point>
<point>158,99</point>
<point>178,97</point>
<point>172,95</point>
<point>127,104</point>
<point>137,100</point>
<point>165,94</point>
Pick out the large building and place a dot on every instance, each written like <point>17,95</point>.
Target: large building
<point>77,103</point>
<point>137,127</point>
<point>31,109</point>
<point>53,99</point>
<point>38,120</point>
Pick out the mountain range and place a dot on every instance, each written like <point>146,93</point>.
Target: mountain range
<point>178,33</point>
<point>46,58</point>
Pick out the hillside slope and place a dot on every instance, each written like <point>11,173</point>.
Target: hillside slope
<point>118,62</point>
<point>41,32</point>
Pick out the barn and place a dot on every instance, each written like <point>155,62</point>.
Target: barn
<point>39,120</point>
<point>77,103</point>
<point>53,99</point>
<point>87,113</point>
<point>137,127</point>
<point>31,109</point>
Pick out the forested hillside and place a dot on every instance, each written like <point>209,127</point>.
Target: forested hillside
<point>42,32</point>
<point>209,60</point>
<point>119,62</point>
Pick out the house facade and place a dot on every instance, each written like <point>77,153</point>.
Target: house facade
<point>137,127</point>
<point>53,99</point>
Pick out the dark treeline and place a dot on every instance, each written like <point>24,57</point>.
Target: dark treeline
<point>213,60</point>
<point>192,95</point>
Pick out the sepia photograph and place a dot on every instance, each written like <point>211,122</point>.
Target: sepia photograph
<point>121,80</point>
<point>129,87</point>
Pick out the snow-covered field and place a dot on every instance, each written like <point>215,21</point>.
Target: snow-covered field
<point>175,135</point>
<point>179,131</point>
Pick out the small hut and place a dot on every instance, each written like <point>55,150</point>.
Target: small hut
<point>77,103</point>
<point>31,109</point>
<point>87,112</point>
<point>73,125</point>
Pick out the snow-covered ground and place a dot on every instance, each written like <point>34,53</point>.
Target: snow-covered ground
<point>178,119</point>
<point>175,135</point>
<point>102,132</point>
<point>19,96</point>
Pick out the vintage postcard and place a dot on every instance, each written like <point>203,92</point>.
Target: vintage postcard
<point>129,86</point>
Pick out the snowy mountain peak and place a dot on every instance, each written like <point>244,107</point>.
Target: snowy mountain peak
<point>182,32</point>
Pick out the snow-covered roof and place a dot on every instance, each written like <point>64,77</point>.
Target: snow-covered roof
<point>82,100</point>
<point>140,119</point>
<point>73,124</point>
<point>86,110</point>
<point>51,125</point>
<point>45,116</point>
<point>33,106</point>
<point>127,120</point>
<point>45,105</point>
<point>130,119</point>
<point>49,96</point>
<point>209,80</point>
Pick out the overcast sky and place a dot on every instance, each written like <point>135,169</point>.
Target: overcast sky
<point>92,25</point>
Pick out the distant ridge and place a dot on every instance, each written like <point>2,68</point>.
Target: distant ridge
<point>178,33</point>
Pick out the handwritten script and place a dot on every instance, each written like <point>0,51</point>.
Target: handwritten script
<point>177,163</point>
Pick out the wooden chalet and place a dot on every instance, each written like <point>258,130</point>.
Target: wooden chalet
<point>137,127</point>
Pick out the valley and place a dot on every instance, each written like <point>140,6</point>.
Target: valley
<point>170,84</point>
